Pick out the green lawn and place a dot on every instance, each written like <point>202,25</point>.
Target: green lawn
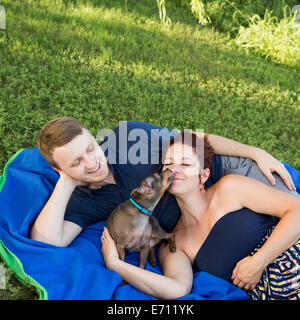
<point>97,62</point>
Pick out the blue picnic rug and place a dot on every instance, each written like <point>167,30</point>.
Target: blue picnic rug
<point>76,271</point>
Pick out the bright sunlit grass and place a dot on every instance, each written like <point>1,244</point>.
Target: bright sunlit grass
<point>276,39</point>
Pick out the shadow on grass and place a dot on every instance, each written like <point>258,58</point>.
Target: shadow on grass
<point>129,43</point>
<point>146,8</point>
<point>209,78</point>
<point>195,60</point>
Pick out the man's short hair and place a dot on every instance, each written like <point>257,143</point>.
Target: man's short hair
<point>56,133</point>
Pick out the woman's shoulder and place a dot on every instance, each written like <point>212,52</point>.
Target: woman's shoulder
<point>221,187</point>
<point>226,192</point>
<point>231,182</point>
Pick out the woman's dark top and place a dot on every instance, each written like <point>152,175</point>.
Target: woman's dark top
<point>232,238</point>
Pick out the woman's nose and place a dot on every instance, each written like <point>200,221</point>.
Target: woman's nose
<point>175,168</point>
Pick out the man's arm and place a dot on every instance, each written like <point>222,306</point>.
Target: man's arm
<point>228,147</point>
<point>50,226</point>
<point>266,162</point>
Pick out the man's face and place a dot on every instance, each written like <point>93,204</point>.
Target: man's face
<point>82,159</point>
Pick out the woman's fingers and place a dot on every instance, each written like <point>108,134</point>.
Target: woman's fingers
<point>106,235</point>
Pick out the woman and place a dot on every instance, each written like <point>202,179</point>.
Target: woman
<point>227,230</point>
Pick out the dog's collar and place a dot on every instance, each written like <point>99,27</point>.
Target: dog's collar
<point>149,213</point>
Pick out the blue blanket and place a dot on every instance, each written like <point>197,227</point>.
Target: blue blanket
<point>77,271</point>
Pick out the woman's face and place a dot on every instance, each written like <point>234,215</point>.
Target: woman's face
<point>184,164</point>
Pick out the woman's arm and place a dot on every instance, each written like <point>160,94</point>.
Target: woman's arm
<point>247,192</point>
<point>177,275</point>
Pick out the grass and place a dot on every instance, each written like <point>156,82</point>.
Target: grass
<point>97,62</point>
<point>278,40</point>
<point>13,289</point>
<point>266,27</point>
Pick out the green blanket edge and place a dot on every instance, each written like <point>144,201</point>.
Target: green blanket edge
<point>9,258</point>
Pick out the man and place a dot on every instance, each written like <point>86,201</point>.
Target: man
<point>91,186</point>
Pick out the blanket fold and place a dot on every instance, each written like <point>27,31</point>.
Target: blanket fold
<point>76,271</point>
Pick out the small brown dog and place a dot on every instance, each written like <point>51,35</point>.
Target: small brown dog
<point>132,225</point>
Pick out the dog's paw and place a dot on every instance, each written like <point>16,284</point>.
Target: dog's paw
<point>152,263</point>
<point>172,247</point>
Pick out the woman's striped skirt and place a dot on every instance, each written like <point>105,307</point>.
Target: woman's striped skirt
<point>280,279</point>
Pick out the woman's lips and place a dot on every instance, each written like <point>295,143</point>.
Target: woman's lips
<point>176,177</point>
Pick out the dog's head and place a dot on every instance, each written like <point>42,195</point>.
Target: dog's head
<point>153,187</point>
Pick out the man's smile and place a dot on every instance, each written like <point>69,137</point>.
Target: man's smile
<point>96,170</point>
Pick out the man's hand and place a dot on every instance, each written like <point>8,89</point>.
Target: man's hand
<point>66,178</point>
<point>268,164</point>
<point>49,225</point>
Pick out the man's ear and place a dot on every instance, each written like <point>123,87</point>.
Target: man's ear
<point>56,169</point>
<point>204,175</point>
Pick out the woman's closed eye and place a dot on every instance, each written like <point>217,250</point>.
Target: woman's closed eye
<point>182,164</point>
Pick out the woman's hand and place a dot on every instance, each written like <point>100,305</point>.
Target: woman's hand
<point>247,272</point>
<point>268,164</point>
<point>109,250</point>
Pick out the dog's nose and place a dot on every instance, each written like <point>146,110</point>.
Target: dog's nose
<point>168,173</point>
